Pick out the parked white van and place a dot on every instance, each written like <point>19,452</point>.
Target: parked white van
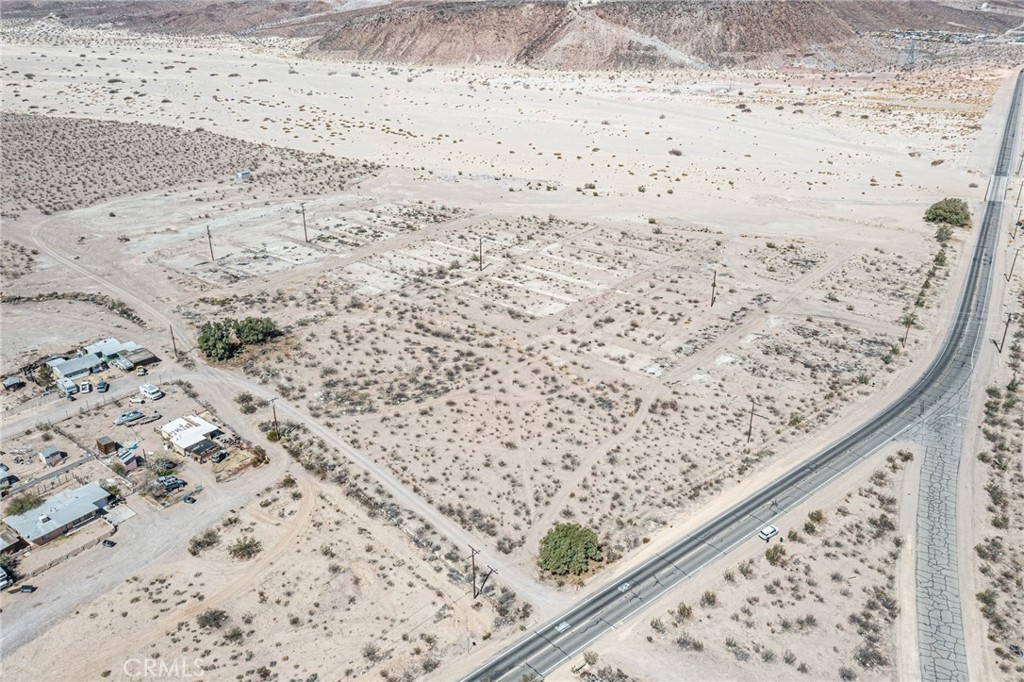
<point>85,387</point>
<point>151,391</point>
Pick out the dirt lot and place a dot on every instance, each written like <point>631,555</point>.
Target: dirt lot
<point>324,594</point>
<point>820,601</point>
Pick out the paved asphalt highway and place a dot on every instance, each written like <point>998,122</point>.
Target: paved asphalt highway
<point>557,641</point>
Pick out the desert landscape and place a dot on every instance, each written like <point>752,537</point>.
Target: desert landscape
<point>617,279</point>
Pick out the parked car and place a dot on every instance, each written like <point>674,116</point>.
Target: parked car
<point>768,532</point>
<point>27,588</point>
<point>70,398</point>
<point>128,418</point>
<point>102,387</point>
<point>85,387</point>
<point>219,457</point>
<point>141,372</point>
<point>174,485</point>
<point>188,499</point>
<point>108,543</point>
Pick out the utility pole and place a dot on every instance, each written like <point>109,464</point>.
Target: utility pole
<point>1017,203</point>
<point>472,558</point>
<point>714,286</point>
<point>480,256</point>
<point>274,410</point>
<point>173,344</point>
<point>1002,343</point>
<point>1013,265</point>
<point>209,240</point>
<point>304,233</point>
<point>750,429</point>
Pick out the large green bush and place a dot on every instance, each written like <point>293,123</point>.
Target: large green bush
<point>217,342</point>
<point>253,330</point>
<point>20,504</point>
<point>949,212</point>
<point>569,548</point>
<point>223,340</point>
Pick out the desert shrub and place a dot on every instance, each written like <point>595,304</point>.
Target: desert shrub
<point>245,548</point>
<point>688,643</point>
<point>212,618</point>
<point>776,555</point>
<point>569,548</point>
<point>950,212</point>
<point>207,538</point>
<point>868,656</point>
<point>709,599</point>
<point>20,504</point>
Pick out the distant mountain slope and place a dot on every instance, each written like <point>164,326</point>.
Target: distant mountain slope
<point>623,34</point>
<point>642,33</point>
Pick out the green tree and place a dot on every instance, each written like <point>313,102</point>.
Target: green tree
<point>44,376</point>
<point>254,330</point>
<point>949,211</point>
<point>569,548</point>
<point>9,563</point>
<point>216,341</point>
<point>20,504</point>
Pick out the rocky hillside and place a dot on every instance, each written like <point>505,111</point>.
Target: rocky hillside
<point>568,34</point>
<point>645,34</point>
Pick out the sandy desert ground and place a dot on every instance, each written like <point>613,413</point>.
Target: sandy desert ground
<point>577,371</point>
<point>822,603</point>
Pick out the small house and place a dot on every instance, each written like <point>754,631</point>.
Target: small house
<point>106,445</point>
<point>59,514</point>
<point>76,367</point>
<point>108,349</point>
<point>185,433</point>
<point>13,383</point>
<point>51,456</point>
<point>244,175</point>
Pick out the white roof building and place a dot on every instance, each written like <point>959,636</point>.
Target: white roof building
<point>185,432</point>
<point>76,367</point>
<point>109,348</point>
<point>59,513</point>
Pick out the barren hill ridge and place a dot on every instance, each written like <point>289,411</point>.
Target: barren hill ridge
<point>565,34</point>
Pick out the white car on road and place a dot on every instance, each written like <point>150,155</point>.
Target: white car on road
<point>768,532</point>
